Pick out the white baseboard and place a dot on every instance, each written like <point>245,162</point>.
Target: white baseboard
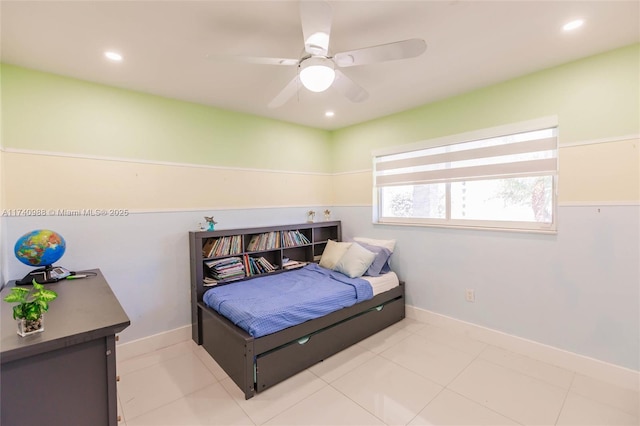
<point>581,364</point>
<point>148,344</point>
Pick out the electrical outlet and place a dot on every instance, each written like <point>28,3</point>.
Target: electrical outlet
<point>470,295</point>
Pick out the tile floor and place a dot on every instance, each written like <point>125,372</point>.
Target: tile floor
<point>412,373</point>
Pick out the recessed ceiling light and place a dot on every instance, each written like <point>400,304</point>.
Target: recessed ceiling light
<point>113,56</point>
<point>329,114</point>
<point>569,26</point>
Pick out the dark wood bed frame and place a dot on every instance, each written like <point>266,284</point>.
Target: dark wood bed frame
<point>256,364</point>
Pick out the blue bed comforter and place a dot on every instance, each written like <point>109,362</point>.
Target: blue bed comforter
<point>272,303</point>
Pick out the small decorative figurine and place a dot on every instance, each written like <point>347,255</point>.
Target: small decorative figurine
<point>310,216</point>
<point>327,214</point>
<point>211,223</point>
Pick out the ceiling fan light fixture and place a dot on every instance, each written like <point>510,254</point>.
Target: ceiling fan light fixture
<point>317,73</point>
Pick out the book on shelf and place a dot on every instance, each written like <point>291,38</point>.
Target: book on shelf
<point>293,264</point>
<point>208,247</point>
<point>222,246</point>
<point>227,269</point>
<point>253,243</point>
<point>247,265</point>
<point>209,282</point>
<point>265,265</point>
<point>294,238</point>
<point>264,241</point>
<point>257,265</point>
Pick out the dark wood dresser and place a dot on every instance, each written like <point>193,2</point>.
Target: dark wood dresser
<point>65,375</point>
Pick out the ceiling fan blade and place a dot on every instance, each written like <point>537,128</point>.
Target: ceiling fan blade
<point>252,59</point>
<point>384,52</point>
<point>285,94</point>
<point>349,88</point>
<point>316,26</point>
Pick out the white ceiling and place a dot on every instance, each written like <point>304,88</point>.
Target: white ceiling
<point>471,44</point>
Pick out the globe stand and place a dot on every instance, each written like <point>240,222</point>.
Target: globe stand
<point>48,274</point>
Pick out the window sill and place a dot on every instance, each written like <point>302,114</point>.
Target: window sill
<point>550,231</point>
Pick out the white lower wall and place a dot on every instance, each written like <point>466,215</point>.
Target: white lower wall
<point>591,367</point>
<point>577,290</point>
<point>144,256</point>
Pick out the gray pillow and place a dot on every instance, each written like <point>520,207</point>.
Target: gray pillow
<point>380,264</point>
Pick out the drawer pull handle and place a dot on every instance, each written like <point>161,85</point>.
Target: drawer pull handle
<point>379,308</point>
<point>117,378</point>
<point>304,340</point>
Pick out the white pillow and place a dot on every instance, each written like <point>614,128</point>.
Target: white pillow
<point>388,244</point>
<point>332,253</point>
<point>355,261</point>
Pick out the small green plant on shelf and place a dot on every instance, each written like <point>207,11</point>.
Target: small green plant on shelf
<point>31,304</point>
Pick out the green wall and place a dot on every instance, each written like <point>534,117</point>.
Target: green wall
<point>79,117</point>
<point>596,97</point>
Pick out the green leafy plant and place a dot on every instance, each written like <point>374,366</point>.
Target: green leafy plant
<point>31,302</point>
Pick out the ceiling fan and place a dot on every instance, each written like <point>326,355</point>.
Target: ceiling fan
<point>317,68</point>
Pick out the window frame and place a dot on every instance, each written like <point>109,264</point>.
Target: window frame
<point>476,135</point>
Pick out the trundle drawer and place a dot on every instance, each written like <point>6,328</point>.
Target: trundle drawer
<point>279,364</point>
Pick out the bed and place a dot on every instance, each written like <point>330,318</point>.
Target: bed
<point>257,357</point>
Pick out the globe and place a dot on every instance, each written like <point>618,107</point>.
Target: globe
<point>41,247</point>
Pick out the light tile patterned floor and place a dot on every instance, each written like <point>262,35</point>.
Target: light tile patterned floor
<point>411,373</point>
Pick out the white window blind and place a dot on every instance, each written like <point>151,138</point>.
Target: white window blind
<point>525,154</point>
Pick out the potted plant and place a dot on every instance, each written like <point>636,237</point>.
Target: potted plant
<point>32,303</point>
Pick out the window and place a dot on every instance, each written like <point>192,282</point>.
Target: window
<point>501,178</point>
